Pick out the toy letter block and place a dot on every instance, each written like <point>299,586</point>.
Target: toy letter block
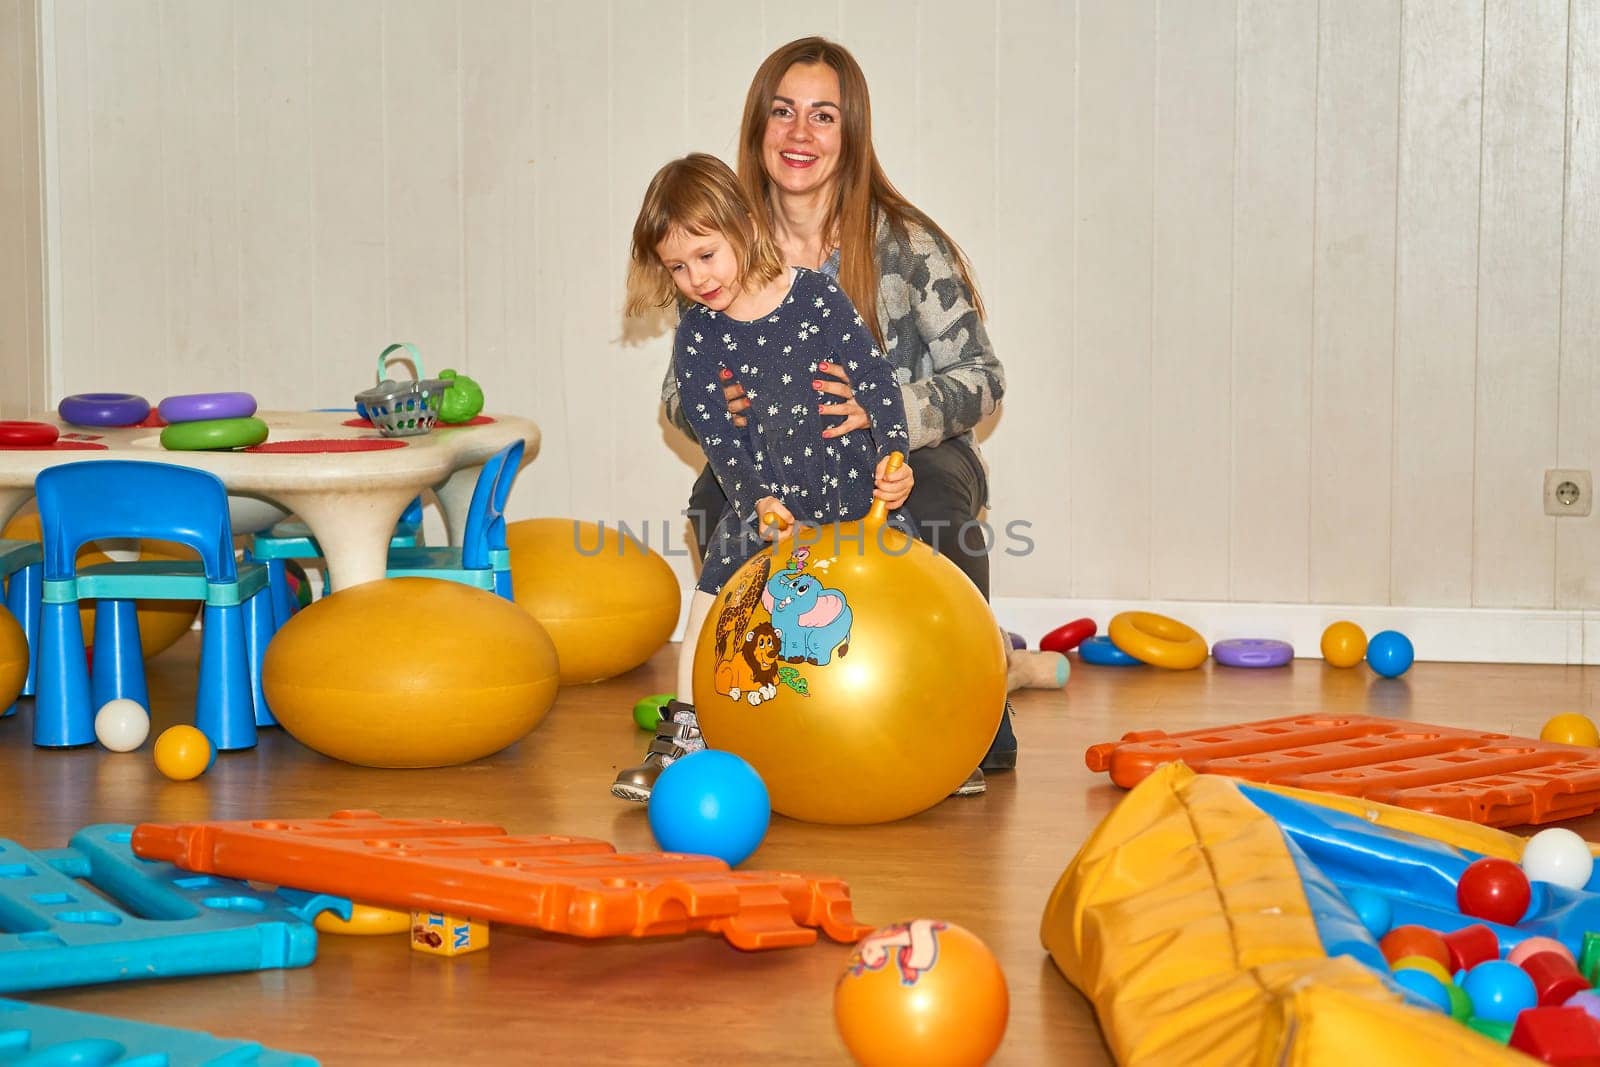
<point>439,934</point>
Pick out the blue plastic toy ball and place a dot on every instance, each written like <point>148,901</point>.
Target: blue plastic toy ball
<point>1390,653</point>
<point>1372,908</point>
<point>1425,986</point>
<point>710,803</point>
<point>1499,990</point>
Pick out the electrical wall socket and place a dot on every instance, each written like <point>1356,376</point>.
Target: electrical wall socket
<point>1567,493</point>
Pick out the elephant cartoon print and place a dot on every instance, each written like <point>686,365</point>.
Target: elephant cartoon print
<point>813,621</point>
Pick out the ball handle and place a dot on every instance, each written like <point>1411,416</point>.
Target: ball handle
<point>880,509</point>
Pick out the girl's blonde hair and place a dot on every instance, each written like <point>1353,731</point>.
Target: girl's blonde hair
<point>861,190</point>
<point>697,194</point>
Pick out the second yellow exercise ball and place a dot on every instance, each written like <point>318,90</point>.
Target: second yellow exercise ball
<point>858,671</point>
<point>161,622</point>
<point>609,602</point>
<point>410,672</point>
<point>13,660</point>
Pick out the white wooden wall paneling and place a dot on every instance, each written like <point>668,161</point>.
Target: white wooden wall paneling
<point>1436,223</point>
<point>1519,287</point>
<point>1353,308</point>
<point>1111,370</point>
<point>1031,298</point>
<point>886,39</point>
<point>1190,382</point>
<point>1578,540</point>
<point>1274,179</point>
<point>21,265</point>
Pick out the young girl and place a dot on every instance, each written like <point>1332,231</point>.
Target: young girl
<point>699,241</point>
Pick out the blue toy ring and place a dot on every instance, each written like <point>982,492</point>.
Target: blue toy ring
<point>1102,653</point>
<point>195,407</point>
<point>1252,652</point>
<point>104,409</point>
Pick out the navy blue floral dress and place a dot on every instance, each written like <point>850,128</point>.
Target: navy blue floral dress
<point>781,452</point>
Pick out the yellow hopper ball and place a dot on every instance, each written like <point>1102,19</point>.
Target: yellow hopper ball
<point>410,672</point>
<point>1344,644</point>
<point>858,671</point>
<point>13,659</point>
<point>1571,728</point>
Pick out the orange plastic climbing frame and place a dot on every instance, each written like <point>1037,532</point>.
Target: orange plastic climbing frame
<point>565,885</point>
<point>1488,778</point>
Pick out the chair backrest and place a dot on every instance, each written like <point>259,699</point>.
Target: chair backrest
<point>95,499</point>
<point>486,521</point>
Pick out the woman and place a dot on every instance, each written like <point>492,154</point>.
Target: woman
<point>805,151</point>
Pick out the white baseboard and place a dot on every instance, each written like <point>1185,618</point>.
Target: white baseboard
<point>1450,635</point>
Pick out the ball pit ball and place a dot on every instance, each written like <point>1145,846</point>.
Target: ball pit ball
<point>1424,964</point>
<point>1413,940</point>
<point>1588,1000</point>
<point>1499,991</point>
<point>710,803</point>
<point>1495,890</point>
<point>1532,946</point>
<point>183,752</point>
<point>1344,644</point>
<point>1558,856</point>
<point>1460,1003</point>
<point>924,992</point>
<point>121,725</point>
<point>1426,986</point>
<point>1373,909</point>
<point>1390,654</point>
<point>647,712</point>
<point>1571,728</point>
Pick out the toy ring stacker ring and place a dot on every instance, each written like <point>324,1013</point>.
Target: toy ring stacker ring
<point>193,407</point>
<point>1158,640</point>
<point>104,409</point>
<point>1252,652</point>
<point>209,434</point>
<point>27,433</point>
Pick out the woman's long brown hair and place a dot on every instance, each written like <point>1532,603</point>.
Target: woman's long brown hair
<point>861,188</point>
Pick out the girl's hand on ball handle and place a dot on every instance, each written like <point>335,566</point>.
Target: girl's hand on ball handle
<point>775,518</point>
<point>887,467</point>
<point>893,483</point>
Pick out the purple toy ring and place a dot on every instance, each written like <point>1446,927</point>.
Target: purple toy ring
<point>195,407</point>
<point>104,409</point>
<point>1252,652</point>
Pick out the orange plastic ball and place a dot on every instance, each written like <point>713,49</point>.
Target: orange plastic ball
<point>182,753</point>
<point>1344,644</point>
<point>1412,940</point>
<point>1571,729</point>
<point>924,992</point>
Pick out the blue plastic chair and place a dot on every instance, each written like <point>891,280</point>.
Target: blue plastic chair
<point>99,499</point>
<point>482,559</point>
<point>22,568</point>
<point>292,540</point>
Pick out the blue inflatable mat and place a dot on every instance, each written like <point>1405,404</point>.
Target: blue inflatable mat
<point>95,912</point>
<point>35,1036</point>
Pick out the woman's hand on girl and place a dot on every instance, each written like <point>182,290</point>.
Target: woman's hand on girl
<point>855,417</point>
<point>893,487</point>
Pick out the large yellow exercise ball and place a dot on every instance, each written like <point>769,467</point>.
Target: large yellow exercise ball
<point>858,671</point>
<point>410,672</point>
<point>13,660</point>
<point>608,601</point>
<point>161,622</point>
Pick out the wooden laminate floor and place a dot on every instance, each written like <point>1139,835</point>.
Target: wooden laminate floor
<point>987,863</point>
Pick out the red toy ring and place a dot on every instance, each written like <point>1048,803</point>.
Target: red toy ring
<point>195,407</point>
<point>104,409</point>
<point>27,433</point>
<point>1064,639</point>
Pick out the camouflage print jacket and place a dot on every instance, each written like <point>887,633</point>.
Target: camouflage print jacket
<point>948,374</point>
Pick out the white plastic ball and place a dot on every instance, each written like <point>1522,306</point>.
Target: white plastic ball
<point>1558,856</point>
<point>121,724</point>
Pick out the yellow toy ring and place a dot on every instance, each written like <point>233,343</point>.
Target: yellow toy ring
<point>1158,640</point>
<point>364,920</point>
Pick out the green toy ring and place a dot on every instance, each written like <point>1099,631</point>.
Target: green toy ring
<point>647,712</point>
<point>211,434</point>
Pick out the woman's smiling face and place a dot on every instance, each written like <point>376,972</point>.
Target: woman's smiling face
<point>800,151</point>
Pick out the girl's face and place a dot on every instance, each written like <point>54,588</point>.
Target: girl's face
<point>803,140</point>
<point>703,266</point>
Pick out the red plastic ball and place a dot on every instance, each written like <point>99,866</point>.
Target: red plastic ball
<point>1494,889</point>
<point>1413,940</point>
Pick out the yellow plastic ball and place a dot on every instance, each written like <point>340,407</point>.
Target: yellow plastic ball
<point>1425,964</point>
<point>857,670</point>
<point>182,753</point>
<point>1344,644</point>
<point>1571,728</point>
<point>608,602</point>
<point>13,659</point>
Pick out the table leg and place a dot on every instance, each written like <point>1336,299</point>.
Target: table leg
<point>455,500</point>
<point>353,529</point>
